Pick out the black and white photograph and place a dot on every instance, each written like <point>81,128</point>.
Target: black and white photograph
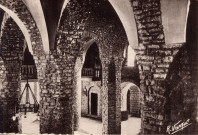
<point>99,67</point>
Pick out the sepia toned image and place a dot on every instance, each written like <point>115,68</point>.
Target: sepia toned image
<point>127,67</point>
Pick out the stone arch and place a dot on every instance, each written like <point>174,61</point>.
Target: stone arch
<point>135,98</point>
<point>12,44</point>
<point>126,16</point>
<point>78,19</point>
<point>84,20</point>
<point>11,29</point>
<point>63,8</point>
<point>12,34</point>
<point>86,41</point>
<point>21,15</point>
<point>128,22</point>
<point>35,8</point>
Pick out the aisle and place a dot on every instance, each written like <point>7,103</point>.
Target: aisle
<point>30,124</point>
<point>89,126</point>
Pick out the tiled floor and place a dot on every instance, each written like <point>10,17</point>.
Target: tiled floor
<point>30,125</point>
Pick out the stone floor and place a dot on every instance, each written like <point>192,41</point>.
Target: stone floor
<point>89,126</point>
<point>30,125</point>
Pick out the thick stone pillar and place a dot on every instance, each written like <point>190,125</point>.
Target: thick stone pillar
<point>152,64</point>
<point>10,93</point>
<point>192,41</point>
<point>56,83</point>
<point>2,94</point>
<point>47,102</point>
<point>77,93</point>
<point>111,96</point>
<point>153,69</point>
<point>105,96</point>
<point>12,43</point>
<point>66,98</point>
<point>118,65</point>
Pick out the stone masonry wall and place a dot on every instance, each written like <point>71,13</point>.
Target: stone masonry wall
<point>135,101</point>
<point>131,99</point>
<point>91,87</point>
<point>12,43</point>
<point>181,90</point>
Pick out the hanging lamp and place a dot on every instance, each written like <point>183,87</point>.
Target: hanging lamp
<point>27,106</point>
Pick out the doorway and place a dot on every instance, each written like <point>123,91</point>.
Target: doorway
<point>128,101</point>
<point>94,103</point>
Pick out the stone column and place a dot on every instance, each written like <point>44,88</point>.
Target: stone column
<point>49,82</point>
<point>77,93</point>
<point>56,83</point>
<point>118,65</point>
<point>66,98</point>
<point>2,94</point>
<point>111,96</point>
<point>10,93</point>
<point>12,43</point>
<point>105,95</point>
<point>192,43</point>
<point>149,59</point>
<point>153,69</point>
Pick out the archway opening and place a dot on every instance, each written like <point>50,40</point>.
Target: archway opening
<point>129,57</point>
<point>91,103</point>
<point>128,102</point>
<point>94,104</point>
<point>92,65</point>
<point>130,108</point>
<point>12,52</point>
<point>29,76</point>
<point>130,94</point>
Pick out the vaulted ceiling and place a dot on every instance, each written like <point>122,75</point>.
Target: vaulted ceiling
<point>47,14</point>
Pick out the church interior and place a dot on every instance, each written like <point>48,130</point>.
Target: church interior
<point>99,66</point>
